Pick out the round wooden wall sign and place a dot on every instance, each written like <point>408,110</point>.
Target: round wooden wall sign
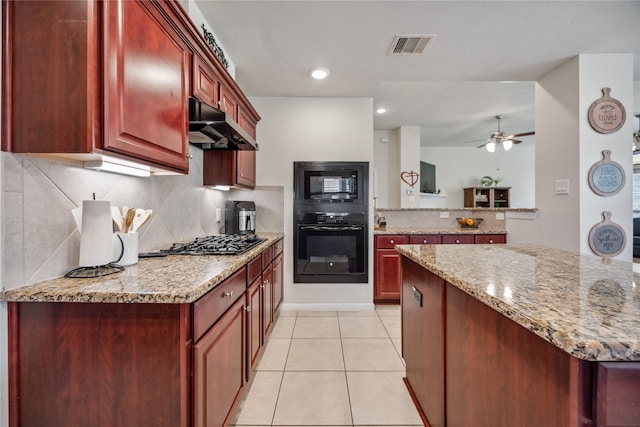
<point>606,238</point>
<point>606,177</point>
<point>606,115</point>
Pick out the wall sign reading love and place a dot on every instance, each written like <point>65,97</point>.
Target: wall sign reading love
<point>410,178</point>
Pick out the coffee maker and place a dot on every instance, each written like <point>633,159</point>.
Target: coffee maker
<point>239,217</point>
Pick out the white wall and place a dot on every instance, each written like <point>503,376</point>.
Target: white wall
<point>313,129</point>
<point>386,164</point>
<point>567,147</point>
<point>460,167</point>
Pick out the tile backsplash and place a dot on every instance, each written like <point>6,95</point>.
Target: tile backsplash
<point>40,237</point>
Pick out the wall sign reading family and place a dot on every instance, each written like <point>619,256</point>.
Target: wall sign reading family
<point>606,238</point>
<point>606,177</point>
<point>606,115</point>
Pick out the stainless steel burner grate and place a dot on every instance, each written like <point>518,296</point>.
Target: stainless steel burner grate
<point>233,244</point>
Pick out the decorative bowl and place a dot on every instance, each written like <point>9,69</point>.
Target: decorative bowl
<point>469,222</point>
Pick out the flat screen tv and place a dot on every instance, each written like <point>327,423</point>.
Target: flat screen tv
<point>427,177</point>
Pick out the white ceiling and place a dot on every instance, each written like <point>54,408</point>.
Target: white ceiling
<point>453,90</point>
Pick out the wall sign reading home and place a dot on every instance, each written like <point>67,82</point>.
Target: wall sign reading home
<point>606,177</point>
<point>606,114</point>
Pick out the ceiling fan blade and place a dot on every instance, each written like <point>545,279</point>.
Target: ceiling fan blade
<point>480,146</point>
<point>516,135</point>
<point>475,140</point>
<point>515,141</point>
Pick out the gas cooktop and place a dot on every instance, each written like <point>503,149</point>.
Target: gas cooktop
<point>232,244</point>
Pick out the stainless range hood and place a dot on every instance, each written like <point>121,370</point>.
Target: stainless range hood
<point>212,129</point>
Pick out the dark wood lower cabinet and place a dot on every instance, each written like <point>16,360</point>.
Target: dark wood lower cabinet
<point>469,365</point>
<point>218,368</point>
<point>423,347</point>
<point>92,364</point>
<point>254,324</point>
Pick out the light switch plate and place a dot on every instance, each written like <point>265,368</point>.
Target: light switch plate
<point>218,214</point>
<point>444,214</point>
<point>500,216</point>
<point>562,186</point>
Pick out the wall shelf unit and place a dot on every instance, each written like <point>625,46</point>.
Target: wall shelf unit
<point>486,197</point>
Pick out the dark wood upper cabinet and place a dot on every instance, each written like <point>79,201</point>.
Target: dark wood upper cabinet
<point>86,78</point>
<point>83,79</point>
<point>146,85</point>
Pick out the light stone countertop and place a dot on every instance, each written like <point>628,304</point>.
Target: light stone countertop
<point>437,230</point>
<point>174,279</point>
<point>582,305</point>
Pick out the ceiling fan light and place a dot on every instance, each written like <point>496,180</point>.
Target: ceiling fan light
<point>491,147</point>
<point>507,144</point>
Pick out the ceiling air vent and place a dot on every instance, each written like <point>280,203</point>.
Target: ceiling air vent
<point>410,44</point>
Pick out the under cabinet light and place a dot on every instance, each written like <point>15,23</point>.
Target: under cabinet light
<point>111,164</point>
<point>221,187</point>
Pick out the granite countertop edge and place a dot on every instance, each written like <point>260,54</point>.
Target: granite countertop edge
<point>596,345</point>
<point>174,279</point>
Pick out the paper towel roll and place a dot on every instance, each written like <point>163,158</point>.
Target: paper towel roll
<point>96,237</point>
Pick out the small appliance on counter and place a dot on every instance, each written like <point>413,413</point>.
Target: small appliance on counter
<point>239,217</point>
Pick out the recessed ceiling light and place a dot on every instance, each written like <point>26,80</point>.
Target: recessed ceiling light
<point>319,73</point>
<point>381,110</point>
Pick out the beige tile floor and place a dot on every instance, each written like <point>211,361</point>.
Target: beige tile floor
<point>327,368</point>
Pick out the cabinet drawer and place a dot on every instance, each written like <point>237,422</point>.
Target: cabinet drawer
<point>388,242</point>
<point>254,268</point>
<point>278,247</point>
<point>457,238</point>
<point>267,257</point>
<point>208,309</point>
<point>424,239</point>
<point>491,238</point>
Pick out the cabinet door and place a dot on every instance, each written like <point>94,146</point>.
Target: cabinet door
<point>146,85</point>
<point>267,287</point>
<point>246,168</point>
<point>254,324</point>
<point>228,103</point>
<point>218,371</point>
<point>206,85</point>
<point>423,345</point>
<point>388,276</point>
<point>278,282</point>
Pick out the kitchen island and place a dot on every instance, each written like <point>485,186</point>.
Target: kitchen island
<point>520,335</point>
<point>169,341</point>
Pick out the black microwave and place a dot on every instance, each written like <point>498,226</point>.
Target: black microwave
<point>331,182</point>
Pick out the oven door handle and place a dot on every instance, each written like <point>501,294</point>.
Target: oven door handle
<point>325,228</point>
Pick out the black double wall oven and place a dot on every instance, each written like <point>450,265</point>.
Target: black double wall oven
<point>330,222</point>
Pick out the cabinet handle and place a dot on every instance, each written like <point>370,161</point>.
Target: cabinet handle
<point>490,240</point>
<point>457,240</point>
<point>228,294</point>
<point>424,241</point>
<point>391,241</point>
<point>247,308</point>
<point>262,286</point>
<point>189,156</point>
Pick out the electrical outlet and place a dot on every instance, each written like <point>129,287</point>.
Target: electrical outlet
<point>218,214</point>
<point>500,216</point>
<point>444,214</point>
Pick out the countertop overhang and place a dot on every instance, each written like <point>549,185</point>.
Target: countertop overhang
<point>582,305</point>
<point>174,279</point>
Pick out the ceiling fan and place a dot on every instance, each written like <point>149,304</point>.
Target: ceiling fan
<point>499,138</point>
